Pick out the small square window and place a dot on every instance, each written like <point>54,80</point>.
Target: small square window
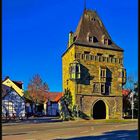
<point>96,88</point>
<point>102,88</point>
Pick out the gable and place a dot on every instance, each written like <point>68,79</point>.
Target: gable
<point>9,83</point>
<point>13,96</point>
<point>5,90</point>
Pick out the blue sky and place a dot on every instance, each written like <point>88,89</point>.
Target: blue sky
<point>35,34</point>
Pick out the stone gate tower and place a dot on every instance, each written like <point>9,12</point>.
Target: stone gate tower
<point>92,69</point>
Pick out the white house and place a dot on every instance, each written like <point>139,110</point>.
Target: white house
<point>13,103</point>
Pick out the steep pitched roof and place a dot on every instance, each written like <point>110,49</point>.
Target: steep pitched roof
<point>91,25</point>
<point>18,83</point>
<point>5,90</point>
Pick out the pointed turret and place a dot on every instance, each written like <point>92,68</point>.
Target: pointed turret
<point>91,31</point>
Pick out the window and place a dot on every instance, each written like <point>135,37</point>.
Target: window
<point>102,88</point>
<point>77,55</point>
<point>103,75</point>
<point>100,58</point>
<point>91,57</point>
<point>107,59</point>
<point>111,57</point>
<point>122,73</point>
<point>95,39</point>
<point>107,89</point>
<point>106,41</point>
<point>104,59</point>
<point>115,60</point>
<point>83,56</point>
<point>96,88</point>
<point>96,58</point>
<point>120,61</point>
<point>92,19</point>
<point>109,42</point>
<point>74,71</point>
<point>90,39</point>
<point>87,55</point>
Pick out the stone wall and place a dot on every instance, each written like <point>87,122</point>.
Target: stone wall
<point>92,69</point>
<point>114,104</point>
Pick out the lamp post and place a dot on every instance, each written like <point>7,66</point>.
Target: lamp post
<point>132,103</point>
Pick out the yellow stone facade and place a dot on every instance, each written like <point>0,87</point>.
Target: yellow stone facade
<point>93,67</point>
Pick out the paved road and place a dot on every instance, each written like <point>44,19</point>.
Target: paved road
<point>73,130</point>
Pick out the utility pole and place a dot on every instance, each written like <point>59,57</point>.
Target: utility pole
<point>132,104</point>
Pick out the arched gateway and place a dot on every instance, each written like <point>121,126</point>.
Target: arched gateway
<point>100,110</point>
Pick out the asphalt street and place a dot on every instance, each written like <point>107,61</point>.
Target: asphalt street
<point>71,130</point>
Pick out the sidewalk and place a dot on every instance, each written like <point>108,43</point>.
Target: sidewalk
<point>33,120</point>
<point>57,119</point>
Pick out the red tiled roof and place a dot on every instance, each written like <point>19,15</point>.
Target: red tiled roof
<point>54,96</point>
<point>125,92</point>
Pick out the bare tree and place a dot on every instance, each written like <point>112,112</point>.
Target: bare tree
<point>130,81</point>
<point>37,89</point>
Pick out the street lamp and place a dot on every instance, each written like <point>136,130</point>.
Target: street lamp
<point>132,103</point>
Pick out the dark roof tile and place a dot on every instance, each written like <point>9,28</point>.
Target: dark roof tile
<point>91,25</point>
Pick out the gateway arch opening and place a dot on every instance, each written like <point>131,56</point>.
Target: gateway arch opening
<point>99,110</point>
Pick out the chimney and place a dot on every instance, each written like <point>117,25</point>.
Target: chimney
<point>70,38</point>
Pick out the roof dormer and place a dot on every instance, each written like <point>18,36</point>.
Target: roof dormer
<point>105,40</point>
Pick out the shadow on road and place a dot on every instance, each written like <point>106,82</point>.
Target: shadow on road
<point>113,135</point>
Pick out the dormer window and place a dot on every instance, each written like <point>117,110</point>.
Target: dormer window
<point>109,42</point>
<point>95,39</point>
<point>92,19</point>
<point>106,41</point>
<point>92,39</point>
